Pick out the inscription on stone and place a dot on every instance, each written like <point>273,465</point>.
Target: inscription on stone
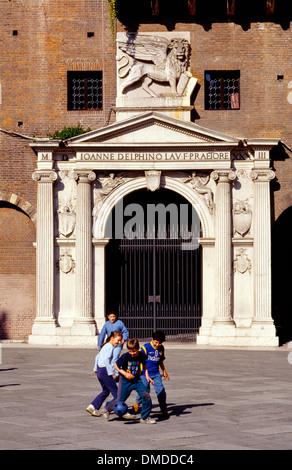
<point>145,156</point>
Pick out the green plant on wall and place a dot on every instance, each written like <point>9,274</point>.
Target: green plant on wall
<point>68,132</point>
<point>113,15</point>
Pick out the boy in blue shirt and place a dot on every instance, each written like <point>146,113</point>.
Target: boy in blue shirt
<point>155,359</point>
<point>113,324</point>
<point>129,366</point>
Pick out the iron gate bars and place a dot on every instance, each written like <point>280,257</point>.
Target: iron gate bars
<point>160,287</point>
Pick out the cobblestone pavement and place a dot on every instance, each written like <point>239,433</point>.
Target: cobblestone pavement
<point>219,399</point>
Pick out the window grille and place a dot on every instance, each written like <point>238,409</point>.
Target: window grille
<point>222,89</point>
<point>84,90</point>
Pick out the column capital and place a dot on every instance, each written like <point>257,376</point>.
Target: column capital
<point>44,176</point>
<point>263,175</point>
<point>223,176</point>
<point>84,176</point>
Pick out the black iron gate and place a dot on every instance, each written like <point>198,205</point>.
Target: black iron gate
<point>160,288</point>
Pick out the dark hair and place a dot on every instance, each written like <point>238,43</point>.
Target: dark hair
<point>158,336</point>
<point>133,343</point>
<point>111,312</point>
<point>112,335</point>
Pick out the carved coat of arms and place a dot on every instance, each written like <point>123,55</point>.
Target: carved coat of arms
<point>241,262</point>
<point>153,58</point>
<point>242,216</point>
<point>67,219</point>
<point>153,179</point>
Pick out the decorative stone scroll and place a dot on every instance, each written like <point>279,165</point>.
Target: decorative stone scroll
<point>199,182</point>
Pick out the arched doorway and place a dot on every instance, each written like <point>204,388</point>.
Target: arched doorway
<point>281,275</point>
<point>153,266</point>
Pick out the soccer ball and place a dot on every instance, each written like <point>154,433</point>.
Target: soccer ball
<point>120,408</point>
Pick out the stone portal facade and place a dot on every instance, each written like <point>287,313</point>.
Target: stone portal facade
<point>153,144</point>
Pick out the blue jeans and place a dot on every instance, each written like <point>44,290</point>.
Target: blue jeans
<point>125,388</point>
<point>159,390</point>
<point>108,386</point>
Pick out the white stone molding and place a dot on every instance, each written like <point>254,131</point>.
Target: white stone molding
<point>99,264</point>
<point>223,249</point>
<point>84,323</point>
<point>167,182</point>
<point>106,185</point>
<point>45,322</point>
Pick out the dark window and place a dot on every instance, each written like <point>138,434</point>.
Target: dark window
<point>222,89</point>
<point>84,90</point>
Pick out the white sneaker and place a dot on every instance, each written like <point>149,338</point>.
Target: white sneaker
<point>105,414</point>
<point>128,416</point>
<point>148,421</point>
<point>93,411</point>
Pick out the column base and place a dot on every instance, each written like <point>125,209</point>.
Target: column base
<point>259,334</point>
<point>44,326</point>
<point>83,327</point>
<point>65,336</point>
<point>223,328</point>
<point>43,331</point>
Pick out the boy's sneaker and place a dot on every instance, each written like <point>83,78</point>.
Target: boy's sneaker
<point>93,411</point>
<point>148,421</point>
<point>105,414</point>
<point>128,416</point>
<point>136,407</point>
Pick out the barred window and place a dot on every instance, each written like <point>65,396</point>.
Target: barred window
<point>222,89</point>
<point>84,90</point>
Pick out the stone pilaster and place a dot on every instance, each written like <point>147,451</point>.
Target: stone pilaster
<point>262,323</point>
<point>45,322</point>
<point>84,323</point>
<point>223,250</point>
<point>99,262</point>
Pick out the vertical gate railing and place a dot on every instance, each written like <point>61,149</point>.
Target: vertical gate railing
<point>160,287</point>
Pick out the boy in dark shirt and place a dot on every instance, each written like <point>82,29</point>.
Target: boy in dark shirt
<point>129,366</point>
<point>155,360</point>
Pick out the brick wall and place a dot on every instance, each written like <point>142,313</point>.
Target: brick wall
<point>17,273</point>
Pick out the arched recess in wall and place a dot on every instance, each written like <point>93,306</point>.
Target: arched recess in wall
<point>281,275</point>
<point>18,272</point>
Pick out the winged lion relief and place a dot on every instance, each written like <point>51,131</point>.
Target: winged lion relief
<point>158,59</point>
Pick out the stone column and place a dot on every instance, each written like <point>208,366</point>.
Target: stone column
<point>84,323</point>
<point>45,322</point>
<point>223,250</point>
<point>262,323</point>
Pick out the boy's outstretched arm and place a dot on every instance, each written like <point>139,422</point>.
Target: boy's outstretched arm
<point>147,375</point>
<point>128,375</point>
<point>165,374</point>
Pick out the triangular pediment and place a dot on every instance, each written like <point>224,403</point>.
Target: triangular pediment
<point>152,127</point>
